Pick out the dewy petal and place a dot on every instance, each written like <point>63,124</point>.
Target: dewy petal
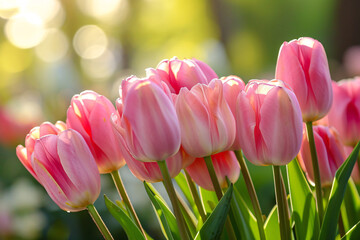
<point>78,163</point>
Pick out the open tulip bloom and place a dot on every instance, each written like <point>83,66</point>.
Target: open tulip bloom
<point>184,123</point>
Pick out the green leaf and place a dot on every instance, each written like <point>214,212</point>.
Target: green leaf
<point>271,226</point>
<point>209,199</point>
<point>166,218</point>
<point>189,217</point>
<point>182,183</point>
<point>350,208</point>
<point>303,203</point>
<point>328,229</point>
<point>214,224</point>
<point>353,233</point>
<point>245,220</point>
<point>132,231</point>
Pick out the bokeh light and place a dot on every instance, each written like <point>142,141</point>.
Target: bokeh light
<point>54,46</point>
<point>90,42</point>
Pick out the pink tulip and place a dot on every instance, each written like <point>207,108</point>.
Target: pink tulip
<point>330,154</point>
<point>149,123</point>
<point>344,114</point>
<point>225,165</point>
<point>355,174</point>
<point>206,122</point>
<point>90,115</point>
<point>182,73</point>
<point>269,123</point>
<point>233,85</point>
<point>66,168</point>
<point>24,153</point>
<point>303,65</point>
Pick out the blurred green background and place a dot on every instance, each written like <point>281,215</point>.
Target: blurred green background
<point>52,49</point>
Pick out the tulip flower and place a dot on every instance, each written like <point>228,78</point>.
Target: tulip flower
<point>269,123</point>
<point>24,153</point>
<point>344,114</point>
<point>149,123</point>
<point>90,115</point>
<point>232,86</point>
<point>225,165</point>
<point>206,121</point>
<point>182,73</point>
<point>330,151</point>
<point>66,168</point>
<point>303,65</point>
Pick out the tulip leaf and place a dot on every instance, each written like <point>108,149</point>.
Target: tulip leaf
<point>245,220</point>
<point>189,217</point>
<point>132,231</point>
<point>182,183</point>
<point>271,226</point>
<point>209,199</point>
<point>214,224</point>
<point>166,218</point>
<point>350,209</point>
<point>353,233</point>
<point>328,229</point>
<point>303,203</point>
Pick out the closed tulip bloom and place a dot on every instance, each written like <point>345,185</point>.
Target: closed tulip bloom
<point>66,168</point>
<point>233,85</point>
<point>303,65</point>
<point>207,124</point>
<point>345,111</point>
<point>225,165</point>
<point>269,123</point>
<point>186,73</point>
<point>90,115</point>
<point>149,123</point>
<point>330,154</point>
<point>24,153</point>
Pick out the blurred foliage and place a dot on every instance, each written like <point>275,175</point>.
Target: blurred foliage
<point>45,59</point>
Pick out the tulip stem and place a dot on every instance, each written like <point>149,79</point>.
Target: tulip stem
<point>195,196</point>
<point>283,208</point>
<point>173,198</point>
<point>123,194</point>
<point>213,177</point>
<point>216,184</point>
<point>252,193</point>
<point>99,222</point>
<point>316,170</point>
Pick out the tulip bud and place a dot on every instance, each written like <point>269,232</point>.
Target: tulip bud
<point>344,114</point>
<point>90,115</point>
<point>149,123</point>
<point>269,123</point>
<point>225,165</point>
<point>206,122</point>
<point>233,85</point>
<point>66,168</point>
<point>24,153</point>
<point>303,65</point>
<point>182,73</point>
<point>330,154</point>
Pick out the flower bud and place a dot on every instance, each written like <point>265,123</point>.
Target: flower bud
<point>66,168</point>
<point>206,122</point>
<point>303,65</point>
<point>330,154</point>
<point>90,115</point>
<point>269,123</point>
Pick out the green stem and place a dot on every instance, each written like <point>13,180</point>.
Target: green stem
<point>252,193</point>
<point>123,194</point>
<point>216,185</point>
<point>195,195</point>
<point>282,204</point>
<point>174,200</point>
<point>99,222</point>
<point>213,177</point>
<point>316,170</point>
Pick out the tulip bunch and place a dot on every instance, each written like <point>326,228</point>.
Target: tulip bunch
<point>183,122</point>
